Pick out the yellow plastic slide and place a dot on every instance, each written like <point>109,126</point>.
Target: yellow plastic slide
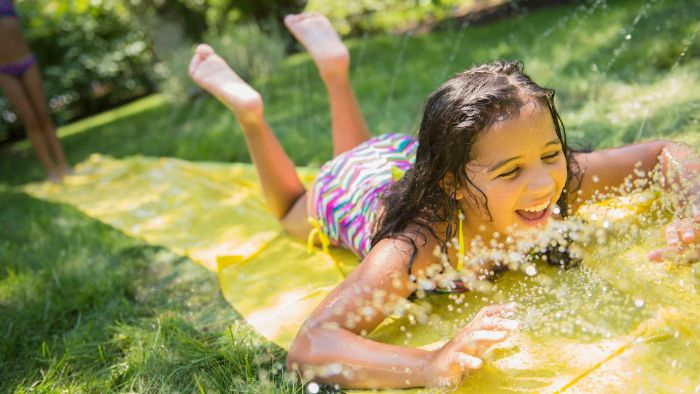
<point>617,323</point>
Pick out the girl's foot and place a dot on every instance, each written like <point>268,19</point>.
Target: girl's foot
<point>66,170</point>
<point>54,176</point>
<point>212,73</point>
<point>316,34</point>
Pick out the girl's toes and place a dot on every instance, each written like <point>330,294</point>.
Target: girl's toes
<point>289,19</point>
<point>201,53</point>
<point>204,50</point>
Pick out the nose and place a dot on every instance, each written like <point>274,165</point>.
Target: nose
<point>541,184</point>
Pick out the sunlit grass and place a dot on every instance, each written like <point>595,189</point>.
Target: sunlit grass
<point>112,116</point>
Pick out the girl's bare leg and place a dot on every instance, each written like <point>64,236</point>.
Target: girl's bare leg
<point>332,58</point>
<point>283,190</point>
<point>34,87</point>
<point>22,103</point>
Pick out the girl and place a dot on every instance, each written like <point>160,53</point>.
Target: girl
<point>20,79</point>
<point>491,157</point>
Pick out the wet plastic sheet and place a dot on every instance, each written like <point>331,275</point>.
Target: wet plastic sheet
<point>616,324</point>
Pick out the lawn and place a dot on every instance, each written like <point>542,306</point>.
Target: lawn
<point>84,308</point>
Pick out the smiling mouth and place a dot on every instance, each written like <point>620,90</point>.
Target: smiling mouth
<point>535,214</point>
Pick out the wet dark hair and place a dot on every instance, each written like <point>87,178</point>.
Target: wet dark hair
<point>455,115</point>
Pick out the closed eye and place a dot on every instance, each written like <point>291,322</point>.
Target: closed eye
<point>551,156</point>
<point>512,172</point>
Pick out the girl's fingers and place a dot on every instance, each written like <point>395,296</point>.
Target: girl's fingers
<point>687,231</point>
<point>466,361</point>
<point>504,310</point>
<point>671,232</point>
<point>476,342</point>
<point>495,323</point>
<point>656,255</point>
<point>667,253</point>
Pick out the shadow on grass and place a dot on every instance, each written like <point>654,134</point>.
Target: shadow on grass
<point>85,308</point>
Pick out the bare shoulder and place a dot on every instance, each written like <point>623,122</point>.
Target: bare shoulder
<point>425,243</point>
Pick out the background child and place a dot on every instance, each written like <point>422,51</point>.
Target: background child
<point>491,158</point>
<point>21,82</point>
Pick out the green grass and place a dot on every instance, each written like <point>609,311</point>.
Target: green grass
<point>85,308</point>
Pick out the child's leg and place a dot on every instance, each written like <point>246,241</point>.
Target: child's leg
<point>22,103</point>
<point>281,185</point>
<point>34,86</point>
<point>332,58</point>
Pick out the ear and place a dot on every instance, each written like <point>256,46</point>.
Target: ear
<point>450,187</point>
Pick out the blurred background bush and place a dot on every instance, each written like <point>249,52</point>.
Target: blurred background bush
<point>98,54</point>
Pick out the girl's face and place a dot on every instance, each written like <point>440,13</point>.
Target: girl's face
<point>520,166</point>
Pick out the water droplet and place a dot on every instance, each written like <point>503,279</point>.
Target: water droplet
<point>335,368</point>
<point>313,388</point>
<point>696,271</point>
<point>531,270</point>
<point>638,302</point>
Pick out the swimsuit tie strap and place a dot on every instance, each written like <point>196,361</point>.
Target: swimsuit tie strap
<point>397,173</point>
<point>325,242</point>
<point>322,237</point>
<point>460,256</point>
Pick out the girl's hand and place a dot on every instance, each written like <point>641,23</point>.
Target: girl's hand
<point>446,366</point>
<point>682,236</point>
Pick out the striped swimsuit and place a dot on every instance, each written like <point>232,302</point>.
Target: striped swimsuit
<point>348,188</point>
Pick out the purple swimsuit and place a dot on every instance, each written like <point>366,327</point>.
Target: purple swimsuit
<point>19,68</point>
<point>7,9</point>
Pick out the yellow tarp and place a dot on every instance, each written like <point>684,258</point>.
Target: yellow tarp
<point>618,323</point>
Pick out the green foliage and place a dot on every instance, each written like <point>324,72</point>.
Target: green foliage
<point>251,50</point>
<point>175,84</point>
<point>91,54</point>
<point>352,17</point>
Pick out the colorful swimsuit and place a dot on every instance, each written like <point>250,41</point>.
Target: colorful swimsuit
<point>348,188</point>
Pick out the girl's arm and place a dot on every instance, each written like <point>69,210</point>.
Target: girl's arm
<point>607,169</point>
<point>679,166</point>
<point>330,347</point>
